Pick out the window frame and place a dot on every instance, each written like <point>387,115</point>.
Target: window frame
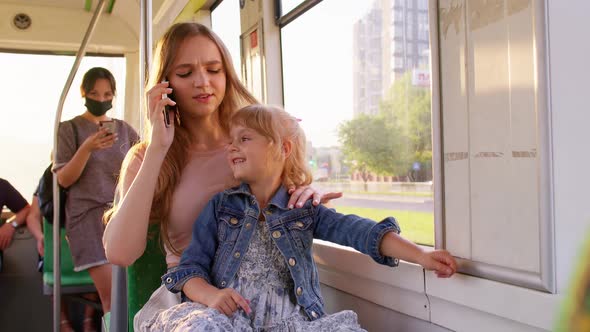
<point>545,280</point>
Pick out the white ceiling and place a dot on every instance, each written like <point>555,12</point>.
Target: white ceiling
<point>80,4</point>
<point>60,24</point>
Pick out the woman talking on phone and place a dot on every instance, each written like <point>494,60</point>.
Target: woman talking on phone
<point>90,150</point>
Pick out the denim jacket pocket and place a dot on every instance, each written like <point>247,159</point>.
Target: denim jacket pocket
<point>301,229</point>
<point>229,226</point>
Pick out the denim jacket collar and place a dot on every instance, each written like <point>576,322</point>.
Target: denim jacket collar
<point>280,199</point>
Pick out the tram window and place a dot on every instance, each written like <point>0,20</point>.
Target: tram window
<point>368,125</point>
<point>225,21</point>
<point>33,91</point>
<point>288,5</point>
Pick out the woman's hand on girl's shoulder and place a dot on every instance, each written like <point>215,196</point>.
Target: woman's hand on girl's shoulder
<point>161,136</point>
<point>99,140</point>
<point>300,195</point>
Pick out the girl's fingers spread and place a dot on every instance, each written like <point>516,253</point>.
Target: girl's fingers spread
<point>231,304</point>
<point>242,302</point>
<point>226,309</point>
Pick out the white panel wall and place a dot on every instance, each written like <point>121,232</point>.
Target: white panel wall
<point>491,140</point>
<point>569,23</point>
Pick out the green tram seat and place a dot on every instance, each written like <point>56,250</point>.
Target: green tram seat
<point>143,276</point>
<point>71,282</point>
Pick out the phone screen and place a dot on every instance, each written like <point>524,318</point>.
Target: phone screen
<point>110,125</point>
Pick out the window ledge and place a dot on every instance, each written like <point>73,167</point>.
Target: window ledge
<point>447,302</point>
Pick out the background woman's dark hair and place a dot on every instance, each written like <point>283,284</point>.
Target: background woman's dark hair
<point>94,75</point>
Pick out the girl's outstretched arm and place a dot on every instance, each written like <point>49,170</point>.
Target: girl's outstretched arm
<point>441,261</point>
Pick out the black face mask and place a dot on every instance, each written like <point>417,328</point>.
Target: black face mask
<point>98,108</point>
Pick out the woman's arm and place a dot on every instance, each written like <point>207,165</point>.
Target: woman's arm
<point>34,221</point>
<point>69,173</point>
<point>125,235</point>
<point>7,230</point>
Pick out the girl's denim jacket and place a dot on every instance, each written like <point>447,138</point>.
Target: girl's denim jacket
<point>222,234</point>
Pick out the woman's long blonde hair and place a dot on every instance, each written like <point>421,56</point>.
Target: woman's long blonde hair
<point>279,127</point>
<point>236,96</point>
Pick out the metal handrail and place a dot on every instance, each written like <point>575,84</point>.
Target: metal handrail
<point>56,201</point>
<point>119,303</point>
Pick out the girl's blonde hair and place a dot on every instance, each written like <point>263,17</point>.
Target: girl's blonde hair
<point>236,96</point>
<point>279,127</point>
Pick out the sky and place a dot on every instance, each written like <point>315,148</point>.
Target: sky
<point>317,62</point>
<point>317,59</point>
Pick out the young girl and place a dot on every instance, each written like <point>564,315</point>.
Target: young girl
<point>170,176</point>
<point>249,266</point>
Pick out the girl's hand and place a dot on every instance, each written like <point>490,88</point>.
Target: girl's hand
<point>300,195</point>
<point>227,301</point>
<point>161,136</point>
<point>100,140</point>
<point>439,261</point>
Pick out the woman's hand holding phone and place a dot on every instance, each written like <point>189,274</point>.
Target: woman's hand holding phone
<point>102,139</point>
<point>162,135</point>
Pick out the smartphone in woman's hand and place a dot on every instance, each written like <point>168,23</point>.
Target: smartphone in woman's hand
<point>110,125</point>
<point>168,108</point>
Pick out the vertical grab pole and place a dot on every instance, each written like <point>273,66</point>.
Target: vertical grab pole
<point>56,202</point>
<point>119,309</point>
<point>145,53</point>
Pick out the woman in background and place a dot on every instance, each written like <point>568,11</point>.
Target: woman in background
<point>91,148</point>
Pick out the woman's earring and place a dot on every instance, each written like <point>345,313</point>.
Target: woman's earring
<point>177,117</point>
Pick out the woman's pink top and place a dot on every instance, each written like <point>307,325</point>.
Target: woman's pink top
<point>206,174</point>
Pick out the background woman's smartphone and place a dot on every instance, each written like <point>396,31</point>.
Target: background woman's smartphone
<point>110,125</point>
